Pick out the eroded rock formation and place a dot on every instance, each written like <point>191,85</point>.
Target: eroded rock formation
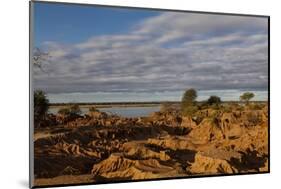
<point>106,147</point>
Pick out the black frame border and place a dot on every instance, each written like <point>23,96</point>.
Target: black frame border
<point>31,156</point>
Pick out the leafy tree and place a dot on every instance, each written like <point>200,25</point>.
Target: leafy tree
<point>41,105</point>
<point>188,102</point>
<point>247,96</point>
<point>189,97</point>
<point>214,100</point>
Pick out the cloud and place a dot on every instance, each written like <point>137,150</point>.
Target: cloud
<point>171,51</point>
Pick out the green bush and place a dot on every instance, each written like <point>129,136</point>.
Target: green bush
<point>166,107</point>
<point>72,110</point>
<point>254,119</point>
<point>75,109</point>
<point>227,109</point>
<point>214,100</point>
<point>64,111</point>
<point>215,118</point>
<point>198,118</point>
<point>256,106</point>
<point>93,109</point>
<point>189,97</point>
<point>41,106</point>
<point>240,108</point>
<point>189,110</point>
<point>188,104</point>
<point>247,96</point>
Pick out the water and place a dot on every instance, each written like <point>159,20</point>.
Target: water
<point>121,111</point>
<point>226,95</point>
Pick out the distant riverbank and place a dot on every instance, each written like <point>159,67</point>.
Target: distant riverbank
<point>124,111</point>
<point>109,105</point>
<point>127,109</point>
<point>130,104</point>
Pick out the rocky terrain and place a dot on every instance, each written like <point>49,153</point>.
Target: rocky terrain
<point>102,148</point>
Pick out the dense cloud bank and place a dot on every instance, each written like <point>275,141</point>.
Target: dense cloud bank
<point>168,52</point>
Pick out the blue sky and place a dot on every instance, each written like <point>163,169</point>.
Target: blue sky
<point>71,24</point>
<point>104,52</point>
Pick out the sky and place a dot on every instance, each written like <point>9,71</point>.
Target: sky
<point>101,54</point>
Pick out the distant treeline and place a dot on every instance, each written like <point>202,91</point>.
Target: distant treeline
<point>137,103</point>
<point>113,103</point>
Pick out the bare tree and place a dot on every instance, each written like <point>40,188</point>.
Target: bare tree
<point>39,58</point>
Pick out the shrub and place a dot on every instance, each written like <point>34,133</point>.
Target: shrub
<point>256,106</point>
<point>216,107</point>
<point>166,107</point>
<point>240,108</point>
<point>198,119</point>
<point>188,102</point>
<point>214,100</point>
<point>254,119</point>
<point>203,105</point>
<point>64,111</point>
<point>41,106</point>
<point>247,96</point>
<point>215,118</point>
<point>93,109</point>
<point>189,97</point>
<point>75,109</point>
<point>227,109</point>
<point>72,110</point>
<point>189,110</point>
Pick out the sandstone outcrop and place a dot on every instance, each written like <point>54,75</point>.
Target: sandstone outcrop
<point>210,165</point>
<point>101,147</point>
<point>119,166</point>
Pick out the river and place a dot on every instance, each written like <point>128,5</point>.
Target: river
<point>121,111</point>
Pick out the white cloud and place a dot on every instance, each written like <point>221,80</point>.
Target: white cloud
<point>172,51</point>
